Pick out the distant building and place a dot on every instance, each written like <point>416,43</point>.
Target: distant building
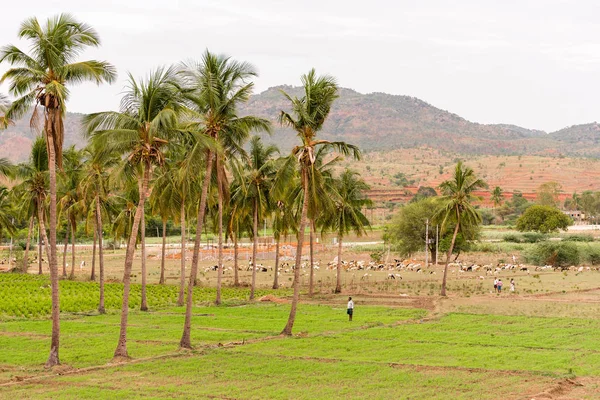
<point>577,215</point>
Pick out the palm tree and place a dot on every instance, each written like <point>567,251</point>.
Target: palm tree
<point>350,199</point>
<point>216,86</point>
<point>284,223</point>
<point>257,181</point>
<point>141,130</point>
<point>456,206</point>
<point>33,190</point>
<point>308,116</point>
<point>95,188</point>
<point>497,196</point>
<point>43,79</point>
<point>162,202</point>
<point>70,195</point>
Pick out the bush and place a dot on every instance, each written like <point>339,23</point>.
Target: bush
<point>578,238</point>
<point>533,237</point>
<point>557,254</point>
<point>512,238</point>
<point>593,256</point>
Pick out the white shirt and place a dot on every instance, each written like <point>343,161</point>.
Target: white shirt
<point>351,304</point>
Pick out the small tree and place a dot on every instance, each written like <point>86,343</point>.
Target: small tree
<point>543,219</point>
<point>547,194</point>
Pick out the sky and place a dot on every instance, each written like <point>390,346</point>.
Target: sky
<point>533,63</point>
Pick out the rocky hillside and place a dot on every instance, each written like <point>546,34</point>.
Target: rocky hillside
<point>379,121</point>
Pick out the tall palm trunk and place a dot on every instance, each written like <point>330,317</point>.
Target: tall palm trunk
<point>39,248</point>
<point>161,281</point>
<point>220,256</point>
<point>93,274</point>
<point>183,244</point>
<point>100,254</point>
<point>292,317</point>
<point>236,279</point>
<point>144,302</point>
<point>449,254</point>
<point>185,341</point>
<point>254,248</point>
<point>26,256</point>
<point>312,260</point>
<point>338,284</point>
<point>66,244</point>
<point>53,122</point>
<point>121,350</point>
<point>73,230</point>
<point>276,278</point>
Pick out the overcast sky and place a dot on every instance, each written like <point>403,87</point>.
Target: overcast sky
<point>529,63</point>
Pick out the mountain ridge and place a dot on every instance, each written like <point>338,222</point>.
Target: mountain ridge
<point>376,121</point>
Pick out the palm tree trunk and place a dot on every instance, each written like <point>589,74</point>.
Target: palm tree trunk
<point>236,277</point>
<point>93,274</point>
<point>276,278</point>
<point>121,350</point>
<point>448,255</point>
<point>100,254</point>
<point>254,248</point>
<point>53,122</point>
<point>185,341</point>
<point>39,248</point>
<point>312,260</point>
<point>161,281</point>
<point>144,302</point>
<point>220,255</point>
<point>292,317</point>
<point>183,243</point>
<point>73,230</point>
<point>26,256</point>
<point>338,284</point>
<point>66,244</point>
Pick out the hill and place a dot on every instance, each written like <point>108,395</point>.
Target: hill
<point>379,121</point>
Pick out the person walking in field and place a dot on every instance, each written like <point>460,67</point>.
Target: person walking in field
<point>499,285</point>
<point>512,285</point>
<point>350,308</point>
<point>495,285</point>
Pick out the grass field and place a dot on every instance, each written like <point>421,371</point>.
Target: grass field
<point>405,342</point>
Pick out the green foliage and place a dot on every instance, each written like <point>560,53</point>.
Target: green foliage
<point>547,194</point>
<point>578,238</point>
<point>423,192</point>
<point>406,231</point>
<point>528,237</point>
<point>544,219</point>
<point>557,254</point>
<point>400,179</point>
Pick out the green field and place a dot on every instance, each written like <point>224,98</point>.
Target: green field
<point>388,351</point>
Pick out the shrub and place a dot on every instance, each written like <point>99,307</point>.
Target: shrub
<point>512,238</point>
<point>533,237</point>
<point>593,255</point>
<point>558,254</point>
<point>578,238</point>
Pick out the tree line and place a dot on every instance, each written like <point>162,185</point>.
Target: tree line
<point>176,148</point>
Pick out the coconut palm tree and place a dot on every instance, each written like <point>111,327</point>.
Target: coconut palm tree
<point>162,201</point>
<point>307,118</point>
<point>216,86</point>
<point>32,191</point>
<point>284,223</point>
<point>456,206</point>
<point>349,200</point>
<point>95,189</point>
<point>257,180</point>
<point>141,130</point>
<point>70,196</point>
<point>42,79</point>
